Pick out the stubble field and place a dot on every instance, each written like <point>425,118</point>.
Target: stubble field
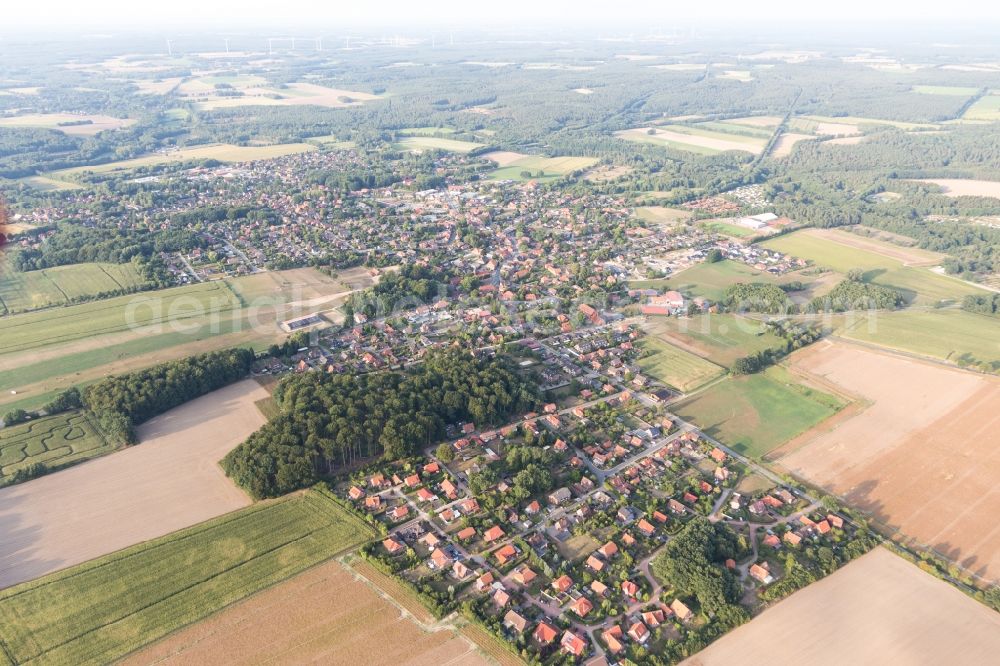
<point>879,609</point>
<point>922,458</point>
<point>169,481</point>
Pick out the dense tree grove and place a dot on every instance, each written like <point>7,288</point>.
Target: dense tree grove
<point>408,287</point>
<point>758,297</point>
<point>692,563</point>
<point>856,295</point>
<point>76,244</point>
<point>330,421</point>
<point>122,402</point>
<point>982,304</point>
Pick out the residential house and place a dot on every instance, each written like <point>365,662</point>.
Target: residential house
<point>512,620</point>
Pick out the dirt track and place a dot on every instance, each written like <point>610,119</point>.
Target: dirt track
<point>169,481</point>
<point>924,457</point>
<point>322,616</point>
<point>879,609</point>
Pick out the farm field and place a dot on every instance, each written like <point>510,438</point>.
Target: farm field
<point>675,367</point>
<point>100,611</point>
<point>861,122</point>
<point>257,93</point>
<point>694,139</point>
<point>757,413</point>
<point>298,285</point>
<point>710,280</point>
<point>958,91</point>
<point>879,609</point>
<point>98,123</point>
<point>551,168</point>
<point>167,482</point>
<point>437,143</point>
<point>33,330</point>
<point>44,184</point>
<point>986,109</point>
<point>724,226</point>
<point>786,142</point>
<point>220,151</point>
<point>720,338</point>
<point>961,187</point>
<point>55,441</point>
<point>956,336</point>
<point>931,472</point>
<point>662,215</point>
<point>324,615</point>
<point>21,292</point>
<point>883,263</point>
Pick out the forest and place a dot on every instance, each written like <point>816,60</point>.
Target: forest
<point>125,401</point>
<point>327,422</point>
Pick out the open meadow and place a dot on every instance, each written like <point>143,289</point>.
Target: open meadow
<point>956,336</point>
<point>21,292</point>
<point>965,187</point>
<point>710,280</point>
<point>324,615</point>
<point>67,123</point>
<point>437,143</point>
<point>905,269</point>
<point>756,413</point>
<point>696,139</point>
<point>922,457</point>
<point>675,367</point>
<point>104,609</point>
<point>55,441</point>
<point>170,480</point>
<point>513,166</point>
<point>986,109</point>
<point>720,338</point>
<point>879,609</point>
<point>222,152</point>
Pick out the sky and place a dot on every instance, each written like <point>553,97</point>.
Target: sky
<point>332,14</point>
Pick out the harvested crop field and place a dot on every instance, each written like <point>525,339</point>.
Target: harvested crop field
<point>169,481</point>
<point>879,609</point>
<point>67,123</point>
<point>325,615</point>
<point>922,457</point>
<point>98,612</point>
<point>694,139</point>
<point>962,187</point>
<point>783,146</point>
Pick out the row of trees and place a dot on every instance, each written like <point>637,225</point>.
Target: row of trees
<point>853,294</point>
<point>331,421</point>
<point>982,304</point>
<point>122,402</point>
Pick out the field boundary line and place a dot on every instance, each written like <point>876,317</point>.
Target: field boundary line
<point>110,276</point>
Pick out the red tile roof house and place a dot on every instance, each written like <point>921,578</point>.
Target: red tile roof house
<point>545,633</point>
<point>392,546</point>
<point>582,606</point>
<point>760,573</point>
<point>440,558</point>
<point>772,541</point>
<point>630,589</point>
<point>425,495</point>
<point>573,644</point>
<point>399,512</point>
<point>412,481</point>
<point>835,520</point>
<point>484,582</point>
<point>595,563</point>
<point>505,554</point>
<point>599,588</point>
<point>533,508</point>
<point>562,583</point>
<point>682,612</point>
<point>493,534</point>
<point>355,493</point>
<point>608,550</point>
<point>432,468</point>
<point>466,534</point>
<point>645,527</point>
<point>639,632</point>
<point>460,570</point>
<point>523,575</point>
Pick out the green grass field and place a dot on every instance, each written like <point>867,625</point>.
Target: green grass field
<point>958,91</point>
<point>21,292</point>
<point>729,229</point>
<point>662,214</point>
<point>56,441</point>
<point>675,367</point>
<point>951,335</point>
<point>711,280</point>
<point>37,329</point>
<point>551,167</point>
<point>437,143</point>
<point>720,338</point>
<point>98,612</point>
<point>918,284</point>
<point>757,413</point>
<point>987,108</point>
<point>221,151</point>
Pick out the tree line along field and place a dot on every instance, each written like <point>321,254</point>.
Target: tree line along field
<point>100,611</point>
<point>55,441</point>
<point>756,413</point>
<point>21,292</point>
<point>675,367</point>
<point>839,252</point>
